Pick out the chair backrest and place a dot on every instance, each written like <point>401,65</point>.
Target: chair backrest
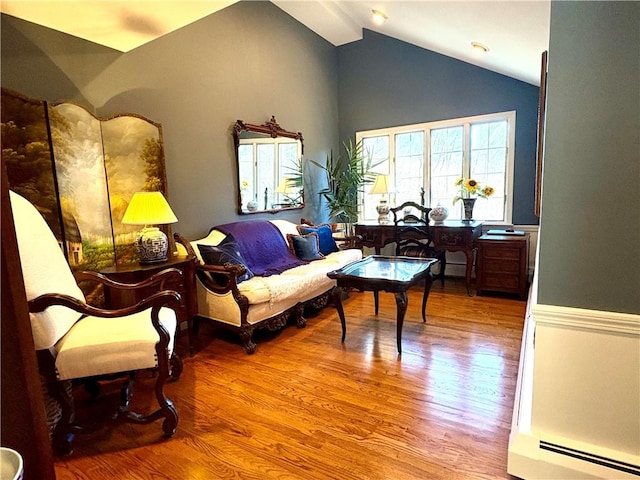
<point>45,270</point>
<point>411,222</point>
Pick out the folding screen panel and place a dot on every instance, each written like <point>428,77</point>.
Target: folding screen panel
<point>26,155</point>
<point>81,171</point>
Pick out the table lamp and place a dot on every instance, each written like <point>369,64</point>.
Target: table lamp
<point>150,208</point>
<point>381,187</point>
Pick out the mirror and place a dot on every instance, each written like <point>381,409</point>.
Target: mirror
<point>269,161</point>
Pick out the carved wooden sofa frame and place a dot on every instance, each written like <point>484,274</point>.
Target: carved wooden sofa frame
<point>246,329</point>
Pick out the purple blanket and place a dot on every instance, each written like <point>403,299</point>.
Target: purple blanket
<point>262,246</point>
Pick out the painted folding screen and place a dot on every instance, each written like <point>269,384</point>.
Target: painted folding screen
<point>26,155</point>
<point>95,166</point>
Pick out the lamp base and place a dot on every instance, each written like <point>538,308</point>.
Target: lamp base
<point>383,211</point>
<point>152,245</point>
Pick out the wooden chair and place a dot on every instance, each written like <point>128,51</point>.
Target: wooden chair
<point>413,235</point>
<point>75,340</point>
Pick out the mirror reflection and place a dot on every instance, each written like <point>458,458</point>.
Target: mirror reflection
<point>269,161</point>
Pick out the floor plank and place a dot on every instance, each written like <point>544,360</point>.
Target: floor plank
<point>306,406</point>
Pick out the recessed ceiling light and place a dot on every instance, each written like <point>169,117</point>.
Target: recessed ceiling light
<point>378,17</point>
<point>478,48</point>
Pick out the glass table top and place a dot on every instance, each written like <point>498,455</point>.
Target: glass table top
<point>401,269</point>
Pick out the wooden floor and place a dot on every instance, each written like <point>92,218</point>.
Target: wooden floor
<point>306,406</point>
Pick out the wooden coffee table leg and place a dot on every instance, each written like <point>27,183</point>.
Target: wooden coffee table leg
<point>427,288</point>
<point>336,298</point>
<point>375,301</point>
<point>401,307</point>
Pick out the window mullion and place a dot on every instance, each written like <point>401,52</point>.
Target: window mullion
<point>392,166</point>
<point>426,165</point>
<point>466,151</point>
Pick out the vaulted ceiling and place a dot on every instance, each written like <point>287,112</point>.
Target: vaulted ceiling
<point>515,31</point>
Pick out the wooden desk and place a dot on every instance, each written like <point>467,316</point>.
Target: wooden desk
<point>450,235</point>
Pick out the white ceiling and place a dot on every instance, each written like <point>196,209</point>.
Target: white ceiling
<point>516,31</point>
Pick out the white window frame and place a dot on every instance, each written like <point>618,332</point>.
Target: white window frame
<point>465,122</point>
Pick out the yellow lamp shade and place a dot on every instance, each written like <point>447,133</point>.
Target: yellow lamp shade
<point>148,208</point>
<point>381,185</point>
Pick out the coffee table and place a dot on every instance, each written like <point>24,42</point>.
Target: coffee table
<point>389,274</point>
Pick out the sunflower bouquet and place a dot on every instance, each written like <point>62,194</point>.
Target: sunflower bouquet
<point>470,187</point>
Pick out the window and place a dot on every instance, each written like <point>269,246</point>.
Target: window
<point>424,161</point>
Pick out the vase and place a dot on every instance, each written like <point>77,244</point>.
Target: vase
<point>383,211</point>
<point>468,208</point>
<point>439,213</point>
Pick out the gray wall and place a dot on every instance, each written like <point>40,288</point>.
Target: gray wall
<point>248,61</point>
<point>590,223</point>
<point>384,82</point>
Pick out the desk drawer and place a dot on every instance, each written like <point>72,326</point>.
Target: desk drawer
<point>451,238</point>
<point>500,282</point>
<point>500,252</point>
<point>502,265</point>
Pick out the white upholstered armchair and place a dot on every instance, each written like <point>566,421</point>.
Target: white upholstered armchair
<point>75,340</point>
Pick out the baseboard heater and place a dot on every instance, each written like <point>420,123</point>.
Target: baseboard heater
<point>591,458</point>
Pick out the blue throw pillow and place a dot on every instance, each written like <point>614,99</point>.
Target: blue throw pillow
<point>225,252</point>
<point>325,236</point>
<point>305,247</point>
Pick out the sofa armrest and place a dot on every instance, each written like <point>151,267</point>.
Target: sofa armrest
<point>203,272</point>
<point>229,271</point>
<point>185,244</point>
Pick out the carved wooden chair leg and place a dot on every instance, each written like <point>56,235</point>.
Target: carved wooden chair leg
<point>167,409</point>
<point>176,367</point>
<point>301,322</point>
<point>92,387</point>
<point>61,437</point>
<point>246,334</point>
<point>126,393</point>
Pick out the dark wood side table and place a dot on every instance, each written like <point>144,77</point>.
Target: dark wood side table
<point>136,272</point>
<point>503,264</point>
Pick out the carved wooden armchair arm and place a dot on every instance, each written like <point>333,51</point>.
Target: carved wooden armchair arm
<point>161,278</point>
<point>168,298</point>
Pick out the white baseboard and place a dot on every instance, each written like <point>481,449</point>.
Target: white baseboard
<point>533,459</point>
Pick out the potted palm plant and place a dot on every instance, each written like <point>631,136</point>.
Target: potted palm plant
<point>346,175</point>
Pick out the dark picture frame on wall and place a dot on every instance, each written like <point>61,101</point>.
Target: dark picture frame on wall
<point>542,107</point>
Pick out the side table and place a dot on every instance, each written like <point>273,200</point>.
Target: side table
<point>136,272</point>
<point>502,264</point>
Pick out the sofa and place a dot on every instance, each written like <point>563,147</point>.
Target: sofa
<point>258,274</point>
